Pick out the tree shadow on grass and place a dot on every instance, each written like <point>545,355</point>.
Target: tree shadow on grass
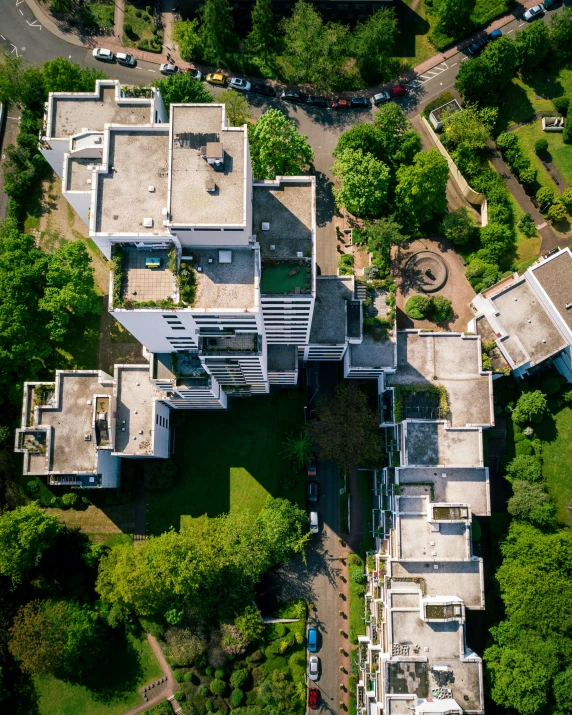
<point>116,672</point>
<point>410,25</point>
<point>516,108</point>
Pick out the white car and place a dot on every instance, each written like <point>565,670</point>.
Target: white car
<point>381,98</point>
<point>314,667</point>
<point>169,69</point>
<point>102,54</point>
<point>125,59</point>
<point>195,74</point>
<point>243,85</point>
<point>314,522</point>
<point>533,13</point>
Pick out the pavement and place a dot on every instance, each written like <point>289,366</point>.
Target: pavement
<point>159,691</point>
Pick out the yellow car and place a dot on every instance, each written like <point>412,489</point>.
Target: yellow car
<point>216,78</point>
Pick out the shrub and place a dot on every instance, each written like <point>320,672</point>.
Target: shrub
<point>566,199</point>
<point>203,690</point>
<point>217,687</point>
<point>524,446</point>
<point>561,104</point>
<point>441,309</point>
<point>551,385</point>
<point>507,141</point>
<point>32,487</point>
<point>179,695</point>
<point>527,226</point>
<point>238,678</point>
<point>219,673</point>
<point>371,273</point>
<point>346,264</point>
<point>279,630</point>
<point>540,146</point>
<point>525,467</point>
<point>530,407</point>
<point>418,307</point>
<point>209,706</point>
<point>70,499</point>
<point>236,697</point>
<point>149,10</point>
<point>557,212</point>
<point>459,226</point>
<point>256,656</point>
<point>544,196</point>
<point>210,670</point>
<point>127,28</point>
<point>567,132</point>
<point>528,176</point>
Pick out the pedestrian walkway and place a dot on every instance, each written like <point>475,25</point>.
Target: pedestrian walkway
<point>118,18</point>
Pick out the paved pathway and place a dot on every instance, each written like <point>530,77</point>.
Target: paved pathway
<point>118,18</point>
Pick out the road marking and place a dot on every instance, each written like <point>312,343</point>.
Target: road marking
<point>152,71</point>
<point>522,23</point>
<point>19,2</point>
<point>21,13</point>
<point>14,50</point>
<point>509,31</point>
<point>428,75</point>
<point>542,225</point>
<point>2,36</point>
<point>454,63</point>
<point>34,24</point>
<point>464,59</point>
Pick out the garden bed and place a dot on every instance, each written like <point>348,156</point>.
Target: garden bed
<point>99,14</point>
<point>138,28</point>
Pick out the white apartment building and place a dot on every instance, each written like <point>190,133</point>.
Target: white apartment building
<point>208,264</point>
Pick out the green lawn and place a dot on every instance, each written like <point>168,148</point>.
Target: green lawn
<point>99,15</point>
<point>230,459</point>
<point>277,279</point>
<point>561,153</point>
<point>141,24</point>
<point>557,457</point>
<point>413,43</point>
<point>129,664</point>
<point>356,598</point>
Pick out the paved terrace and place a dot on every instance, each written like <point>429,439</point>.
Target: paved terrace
<point>282,358</point>
<point>555,277</point>
<point>373,353</point>
<point>416,540</point>
<point>137,160</point>
<point>194,127</point>
<point>288,210</point>
<point>450,486</point>
<point>78,176</point>
<point>72,115</point>
<point>430,443</point>
<point>452,578</point>
<point>135,396</point>
<point>329,324</point>
<point>453,361</point>
<point>532,334</point>
<point>224,285</point>
<point>147,284</point>
<point>71,421</point>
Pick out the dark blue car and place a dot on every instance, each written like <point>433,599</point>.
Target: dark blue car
<point>312,640</point>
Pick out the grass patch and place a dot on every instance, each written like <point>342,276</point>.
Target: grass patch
<point>356,598</point>
<point>557,456</point>
<point>365,491</point>
<point>527,136</point>
<point>413,44</point>
<point>277,279</point>
<point>81,347</point>
<point>235,460</point>
<point>98,15</point>
<point>141,25</point>
<point>128,665</point>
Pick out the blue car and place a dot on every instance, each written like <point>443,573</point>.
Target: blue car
<point>312,640</point>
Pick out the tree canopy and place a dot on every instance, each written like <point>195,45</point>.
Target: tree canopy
<point>532,46</point>
<point>459,226</point>
<point>364,182</point>
<point>217,31</point>
<point>372,43</point>
<point>347,430</point>
<point>454,16</point>
<point>276,147</point>
<point>237,108</point>
<point>261,38</point>
<point>181,88</point>
<point>530,407</point>
<point>421,188</point>
<point>483,79</point>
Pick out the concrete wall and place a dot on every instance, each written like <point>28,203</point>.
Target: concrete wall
<point>161,430</point>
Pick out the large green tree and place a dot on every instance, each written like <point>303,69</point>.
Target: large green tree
<point>530,407</point>
<point>276,147</point>
<point>364,183</point>
<point>182,88</point>
<point>381,236</point>
<point>532,46</point>
<point>262,37</point>
<point>561,34</point>
<point>347,430</point>
<point>237,108</point>
<point>188,37</point>
<point>60,638</point>
<point>459,226</point>
<point>421,188</point>
<point>484,79</point>
<point>217,30</point>
<point>530,502</point>
<point>454,16</point>
<point>25,534</point>
<point>372,43</point>
<point>313,51</point>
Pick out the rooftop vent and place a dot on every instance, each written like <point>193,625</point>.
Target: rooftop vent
<point>88,402</point>
<point>210,185</point>
<point>148,222</point>
<point>299,254</point>
<point>265,226</point>
<point>98,140</point>
<point>225,256</point>
<point>200,269</point>
<point>272,247</point>
<point>151,189</point>
<point>87,438</point>
<point>214,153</point>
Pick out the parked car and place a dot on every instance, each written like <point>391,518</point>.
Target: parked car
<point>313,491</point>
<point>195,74</point>
<point>314,667</point>
<point>242,85</point>
<point>313,698</point>
<point>312,471</point>
<point>312,640</point>
<point>495,34</point>
<point>291,95</point>
<point>314,522</point>
<point>317,102</point>
<point>264,89</point>
<point>216,78</point>
<point>549,4</point>
<point>398,91</point>
<point>477,46</point>
<point>360,103</point>
<point>340,104</point>
<point>126,60</point>
<point>533,13</point>
<point>169,69</point>
<point>381,98</point>
<point>104,55</point>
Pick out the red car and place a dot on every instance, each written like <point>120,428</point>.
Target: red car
<point>313,699</point>
<point>398,91</point>
<point>340,104</point>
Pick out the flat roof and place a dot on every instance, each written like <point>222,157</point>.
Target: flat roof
<point>224,285</point>
<point>79,178</point>
<point>524,319</point>
<point>555,276</point>
<point>147,284</point>
<point>451,360</point>
<point>289,211</point>
<point>450,486</point>
<point>193,127</point>
<point>72,420</point>
<point>452,578</point>
<point>431,443</point>
<point>443,640</point>
<point>137,160</point>
<point>373,353</point>
<point>416,540</point>
<point>329,318</point>
<point>135,397</point>
<point>282,358</point>
<point>73,113</point>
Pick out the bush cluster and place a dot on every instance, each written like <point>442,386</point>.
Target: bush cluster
<point>516,159</point>
<point>435,308</point>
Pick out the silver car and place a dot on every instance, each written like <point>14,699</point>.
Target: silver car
<point>381,98</point>
<point>533,13</point>
<point>313,667</point>
<point>169,69</point>
<point>243,85</point>
<point>125,59</point>
<point>100,53</point>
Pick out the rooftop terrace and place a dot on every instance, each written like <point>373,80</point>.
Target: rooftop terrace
<point>282,358</point>
<point>555,277</point>
<point>450,486</point>
<point>452,578</point>
<point>373,353</point>
<point>329,319</point>
<point>193,127</point>
<point>72,114</point>
<point>143,284</point>
<point>417,540</point>
<point>430,443</point>
<point>79,178</point>
<point>222,284</point>
<point>138,160</point>
<point>532,334</point>
<point>135,397</point>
